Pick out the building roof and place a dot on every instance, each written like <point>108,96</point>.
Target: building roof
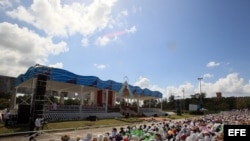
<point>63,80</point>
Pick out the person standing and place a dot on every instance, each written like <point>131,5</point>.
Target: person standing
<point>7,118</point>
<point>54,106</point>
<point>1,117</point>
<point>38,123</point>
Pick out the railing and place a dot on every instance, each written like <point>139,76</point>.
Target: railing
<point>74,108</point>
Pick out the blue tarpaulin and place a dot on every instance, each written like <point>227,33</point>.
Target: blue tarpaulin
<point>64,76</point>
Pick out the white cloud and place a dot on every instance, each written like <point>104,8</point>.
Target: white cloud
<point>102,41</point>
<point>85,42</point>
<point>28,49</point>
<point>231,85</point>
<point>106,39</point>
<point>116,34</point>
<point>188,88</point>
<point>131,30</point>
<point>76,17</point>
<point>5,4</point>
<point>144,82</point>
<point>100,66</point>
<point>125,13</point>
<point>212,64</point>
<point>136,9</point>
<point>181,91</point>
<point>207,75</point>
<point>57,65</point>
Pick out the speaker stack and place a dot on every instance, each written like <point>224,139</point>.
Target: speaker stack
<point>39,95</point>
<point>23,114</point>
<point>28,113</point>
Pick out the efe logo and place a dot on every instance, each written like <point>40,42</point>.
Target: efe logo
<point>236,132</point>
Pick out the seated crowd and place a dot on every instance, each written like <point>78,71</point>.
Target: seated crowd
<point>205,128</point>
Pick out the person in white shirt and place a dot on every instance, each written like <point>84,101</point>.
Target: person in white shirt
<point>38,122</point>
<point>54,106</point>
<point>7,118</point>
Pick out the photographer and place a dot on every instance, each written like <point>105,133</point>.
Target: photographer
<point>44,123</point>
<point>38,122</point>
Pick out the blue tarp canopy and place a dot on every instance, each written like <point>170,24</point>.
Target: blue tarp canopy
<point>63,80</point>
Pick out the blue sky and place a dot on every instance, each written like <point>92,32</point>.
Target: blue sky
<point>162,45</point>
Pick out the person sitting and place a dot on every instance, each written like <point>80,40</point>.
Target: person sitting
<point>78,138</point>
<point>32,138</point>
<point>122,132</point>
<point>88,137</point>
<point>65,138</point>
<point>7,118</point>
<point>100,137</point>
<point>113,134</point>
<point>94,139</point>
<point>105,138</point>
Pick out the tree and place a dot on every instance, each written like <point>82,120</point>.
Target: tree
<point>71,101</point>
<point>171,98</point>
<point>223,106</point>
<point>203,95</point>
<point>53,99</point>
<point>25,99</point>
<point>123,102</point>
<point>161,102</point>
<point>134,104</point>
<point>241,103</point>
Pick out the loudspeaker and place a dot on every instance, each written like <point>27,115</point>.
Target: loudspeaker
<point>23,114</point>
<point>38,109</point>
<point>92,118</point>
<point>38,98</point>
<point>41,84</point>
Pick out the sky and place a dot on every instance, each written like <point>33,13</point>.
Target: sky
<point>163,45</point>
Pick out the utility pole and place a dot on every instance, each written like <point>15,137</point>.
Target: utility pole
<point>200,78</point>
<point>183,100</point>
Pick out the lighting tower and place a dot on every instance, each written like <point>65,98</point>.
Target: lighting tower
<point>200,78</point>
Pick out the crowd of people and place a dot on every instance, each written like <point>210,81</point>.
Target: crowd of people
<point>205,128</point>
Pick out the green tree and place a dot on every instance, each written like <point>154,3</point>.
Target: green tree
<point>171,98</point>
<point>134,104</point>
<point>241,103</point>
<point>123,102</point>
<point>71,101</point>
<point>231,101</point>
<point>25,99</point>
<point>224,106</point>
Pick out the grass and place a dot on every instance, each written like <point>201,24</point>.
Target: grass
<point>63,125</point>
<point>130,120</point>
<point>183,116</point>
